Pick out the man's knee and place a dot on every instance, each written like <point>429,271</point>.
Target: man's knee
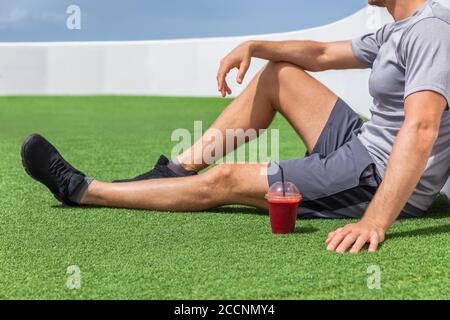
<point>278,75</point>
<point>278,70</point>
<point>220,178</point>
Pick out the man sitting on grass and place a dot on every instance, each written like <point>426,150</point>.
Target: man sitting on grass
<point>392,166</point>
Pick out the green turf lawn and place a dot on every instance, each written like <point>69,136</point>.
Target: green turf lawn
<point>226,253</point>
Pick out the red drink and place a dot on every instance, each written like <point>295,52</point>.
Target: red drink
<point>283,208</point>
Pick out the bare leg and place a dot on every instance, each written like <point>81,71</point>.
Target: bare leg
<point>282,87</point>
<point>224,184</point>
<point>279,87</point>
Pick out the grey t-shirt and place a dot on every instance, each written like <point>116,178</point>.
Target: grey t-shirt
<point>406,57</point>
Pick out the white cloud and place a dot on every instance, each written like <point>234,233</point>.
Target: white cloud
<point>23,11</point>
<point>13,15</point>
<point>50,16</point>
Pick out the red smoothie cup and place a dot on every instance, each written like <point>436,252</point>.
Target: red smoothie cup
<point>283,206</point>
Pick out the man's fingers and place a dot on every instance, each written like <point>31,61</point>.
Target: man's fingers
<point>221,76</point>
<point>355,236</point>
<point>336,240</point>
<point>223,90</point>
<point>223,72</point>
<point>346,243</point>
<point>243,68</point>
<point>218,82</point>
<point>359,244</point>
<point>374,241</point>
<point>222,84</point>
<point>228,90</point>
<point>220,79</point>
<point>332,234</point>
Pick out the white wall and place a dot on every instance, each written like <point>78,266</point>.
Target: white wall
<point>173,68</point>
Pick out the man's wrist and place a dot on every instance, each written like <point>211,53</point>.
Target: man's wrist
<point>383,225</point>
<point>252,46</point>
<point>378,216</point>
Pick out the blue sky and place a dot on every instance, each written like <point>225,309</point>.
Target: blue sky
<point>45,20</point>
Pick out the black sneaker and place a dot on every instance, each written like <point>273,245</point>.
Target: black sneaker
<point>44,163</point>
<point>160,171</point>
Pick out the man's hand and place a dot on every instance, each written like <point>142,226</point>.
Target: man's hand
<point>239,58</point>
<point>414,142</point>
<point>308,55</point>
<point>355,236</point>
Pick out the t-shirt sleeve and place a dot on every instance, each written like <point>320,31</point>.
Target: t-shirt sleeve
<point>366,48</point>
<point>426,57</point>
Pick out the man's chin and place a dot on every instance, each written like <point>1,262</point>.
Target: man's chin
<point>378,3</point>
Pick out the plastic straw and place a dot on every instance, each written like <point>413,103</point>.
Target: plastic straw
<point>282,179</point>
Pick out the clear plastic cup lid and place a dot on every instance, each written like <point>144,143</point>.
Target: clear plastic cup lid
<point>276,190</point>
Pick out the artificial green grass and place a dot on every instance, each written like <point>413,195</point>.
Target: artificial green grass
<point>226,253</point>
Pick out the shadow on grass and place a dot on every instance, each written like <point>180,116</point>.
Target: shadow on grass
<point>306,230</point>
<point>239,210</point>
<point>429,231</point>
<point>440,208</point>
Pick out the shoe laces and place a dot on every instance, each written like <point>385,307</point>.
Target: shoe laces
<point>60,170</point>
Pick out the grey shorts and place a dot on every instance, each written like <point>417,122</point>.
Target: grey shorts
<point>338,178</point>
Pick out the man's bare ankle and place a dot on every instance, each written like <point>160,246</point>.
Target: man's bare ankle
<point>86,199</point>
<point>189,167</point>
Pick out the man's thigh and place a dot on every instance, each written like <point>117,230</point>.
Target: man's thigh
<point>303,100</point>
<point>323,121</point>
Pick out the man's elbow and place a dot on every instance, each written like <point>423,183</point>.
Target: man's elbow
<point>426,132</point>
<point>324,62</point>
<point>317,68</point>
<point>323,58</point>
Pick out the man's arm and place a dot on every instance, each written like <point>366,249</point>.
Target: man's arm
<point>410,153</point>
<point>309,55</point>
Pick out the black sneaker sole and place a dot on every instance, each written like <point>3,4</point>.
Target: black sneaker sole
<point>24,164</point>
<point>22,153</point>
